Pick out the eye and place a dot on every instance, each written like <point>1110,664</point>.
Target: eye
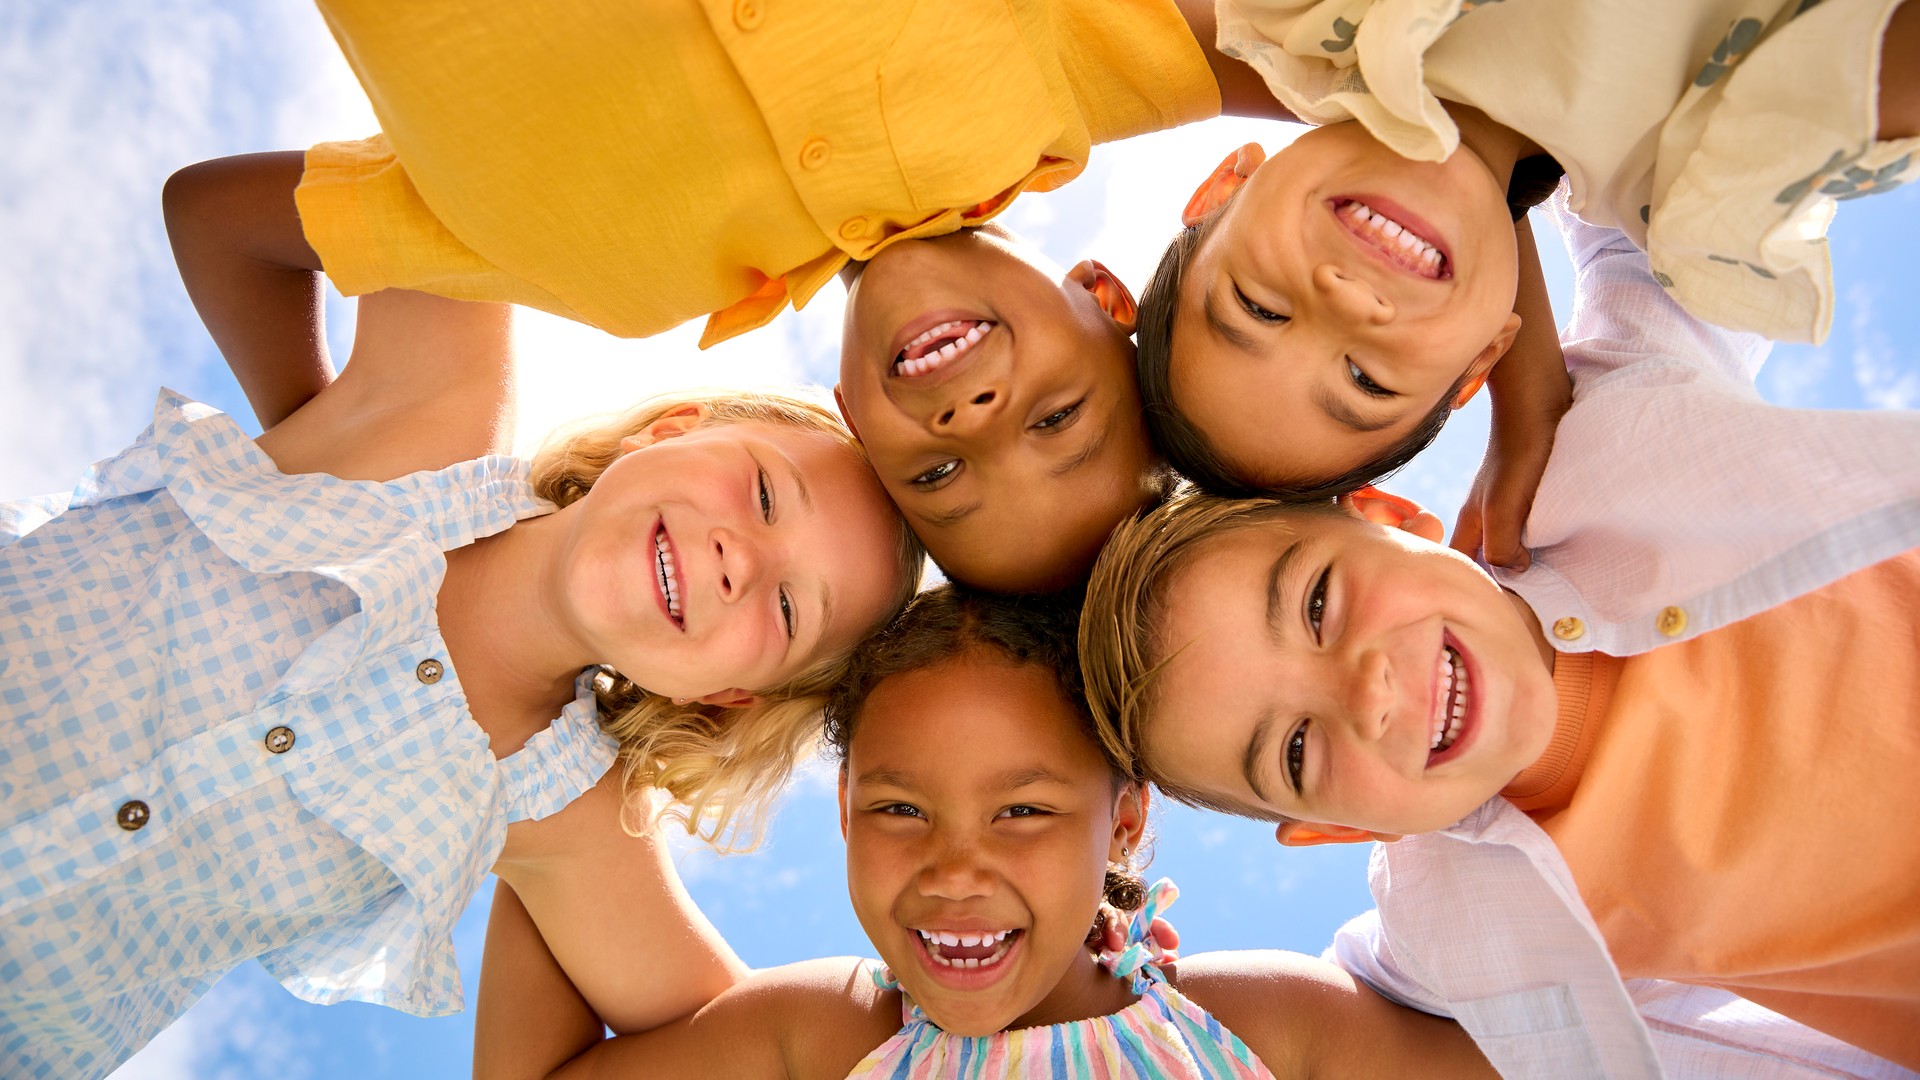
<point>1317,602</point>
<point>1023,811</point>
<point>1366,385</point>
<point>1256,310</point>
<point>1297,755</point>
<point>899,809</point>
<point>766,499</point>
<point>1061,418</point>
<point>786,612</point>
<point>936,478</point>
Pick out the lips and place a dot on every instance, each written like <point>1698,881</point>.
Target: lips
<point>666,576</point>
<point>936,342</point>
<point>966,959</point>
<point>1396,236</point>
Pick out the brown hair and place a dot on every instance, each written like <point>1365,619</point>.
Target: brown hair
<point>722,766</point>
<point>1187,447</point>
<point>1120,645</point>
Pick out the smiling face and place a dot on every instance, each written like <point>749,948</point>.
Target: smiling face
<point>980,818</point>
<point>729,556</point>
<point>1331,670</point>
<point>1348,291</point>
<point>996,396</point>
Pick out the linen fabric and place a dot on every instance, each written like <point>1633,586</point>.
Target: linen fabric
<point>636,166</point>
<point>254,660</point>
<point>1716,134</point>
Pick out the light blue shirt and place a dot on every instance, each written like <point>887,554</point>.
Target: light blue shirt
<point>229,728</point>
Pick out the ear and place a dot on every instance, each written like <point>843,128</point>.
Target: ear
<point>1395,512</point>
<point>1129,819</point>
<point>731,698</point>
<point>1109,291</point>
<point>1219,187</point>
<point>678,421</point>
<point>1313,834</point>
<point>1482,365</point>
<point>843,801</point>
<point>840,402</point>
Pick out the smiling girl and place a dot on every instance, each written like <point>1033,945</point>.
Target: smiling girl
<point>984,829</point>
<point>291,698</point>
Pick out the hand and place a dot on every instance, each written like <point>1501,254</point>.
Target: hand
<point>1526,413</point>
<point>1114,935</point>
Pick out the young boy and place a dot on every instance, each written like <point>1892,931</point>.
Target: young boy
<point>1701,685</point>
<point>636,167</point>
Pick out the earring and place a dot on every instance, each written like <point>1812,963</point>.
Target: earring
<point>679,701</point>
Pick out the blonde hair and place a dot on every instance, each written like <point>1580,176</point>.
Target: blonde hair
<point>721,765</point>
<point>1120,644</point>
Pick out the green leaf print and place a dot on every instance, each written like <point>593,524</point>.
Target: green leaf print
<point>1731,50</point>
<point>1665,281</point>
<point>1793,192</point>
<point>1342,39</point>
<point>1805,6</point>
<point>1857,182</point>
<point>1758,270</point>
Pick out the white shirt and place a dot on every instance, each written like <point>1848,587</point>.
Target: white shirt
<point>1671,485</point>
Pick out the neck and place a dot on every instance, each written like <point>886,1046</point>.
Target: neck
<point>1534,630</point>
<point>1494,143</point>
<point>1087,990</point>
<point>516,657</point>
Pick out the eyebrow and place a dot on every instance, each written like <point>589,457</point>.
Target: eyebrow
<point>826,609</point>
<point>1344,414</point>
<point>1090,451</point>
<point>1234,335</point>
<point>1257,752</point>
<point>945,518</point>
<point>887,778</point>
<point>1032,774</point>
<point>799,480</point>
<point>1276,593</point>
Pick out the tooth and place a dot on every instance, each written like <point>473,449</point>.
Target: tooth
<point>945,938</point>
<point>971,962</point>
<point>969,940</point>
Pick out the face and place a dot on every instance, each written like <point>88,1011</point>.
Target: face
<point>1348,290</point>
<point>975,809</point>
<point>729,556</point>
<point>1335,671</point>
<point>997,398</point>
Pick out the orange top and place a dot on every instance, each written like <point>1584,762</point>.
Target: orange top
<point>1741,809</point>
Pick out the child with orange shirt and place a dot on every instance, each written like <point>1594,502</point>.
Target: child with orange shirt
<point>1700,694</point>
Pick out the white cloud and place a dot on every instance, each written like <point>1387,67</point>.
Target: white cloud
<point>1885,382</point>
<point>230,1034</point>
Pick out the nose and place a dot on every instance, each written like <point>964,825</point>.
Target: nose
<point>1366,694</point>
<point>1351,297</point>
<point>740,563</point>
<point>955,873</point>
<point>971,410</point>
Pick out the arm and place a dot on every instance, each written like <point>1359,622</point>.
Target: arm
<point>614,913</point>
<point>529,1020</point>
<point>1303,1015</point>
<point>250,274</point>
<point>1531,391</point>
<point>1242,91</point>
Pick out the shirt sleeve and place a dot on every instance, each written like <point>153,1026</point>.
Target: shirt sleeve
<point>1362,950</point>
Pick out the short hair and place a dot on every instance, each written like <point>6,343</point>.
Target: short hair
<point>721,765</point>
<point>952,620</point>
<point>1187,448</point>
<point>1121,649</point>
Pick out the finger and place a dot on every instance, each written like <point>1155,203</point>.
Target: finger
<point>1165,935</point>
<point>1466,527</point>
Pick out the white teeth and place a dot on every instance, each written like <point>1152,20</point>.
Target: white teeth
<point>1450,700</point>
<point>961,342</point>
<point>669,579</point>
<point>1390,235</point>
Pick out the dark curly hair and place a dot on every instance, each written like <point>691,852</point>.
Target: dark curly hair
<point>1041,630</point>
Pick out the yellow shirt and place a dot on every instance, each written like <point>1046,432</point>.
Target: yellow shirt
<point>1743,809</point>
<point>634,165</point>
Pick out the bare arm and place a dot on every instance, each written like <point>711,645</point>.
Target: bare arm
<point>1531,391</point>
<point>529,1020</point>
<point>614,913</point>
<point>1900,74</point>
<point>1304,1016</point>
<point>1242,91</point>
<point>251,275</point>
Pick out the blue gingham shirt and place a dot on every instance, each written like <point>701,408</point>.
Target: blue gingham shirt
<point>229,729</point>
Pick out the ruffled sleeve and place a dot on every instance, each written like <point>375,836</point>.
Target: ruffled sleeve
<point>559,764</point>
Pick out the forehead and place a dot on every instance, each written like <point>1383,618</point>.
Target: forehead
<point>975,712</point>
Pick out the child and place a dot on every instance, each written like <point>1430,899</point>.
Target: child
<point>1730,663</point>
<point>984,827</point>
<point>635,168</point>
<point>291,699</point>
<point>1364,283</point>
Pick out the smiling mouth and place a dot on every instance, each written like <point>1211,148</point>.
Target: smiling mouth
<point>667,576</point>
<point>1450,700</point>
<point>939,346</point>
<point>979,949</point>
<point>1396,240</point>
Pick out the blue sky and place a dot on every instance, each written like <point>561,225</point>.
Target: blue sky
<point>106,98</point>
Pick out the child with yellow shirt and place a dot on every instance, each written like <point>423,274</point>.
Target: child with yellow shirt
<point>636,167</point>
<point>1686,730</point>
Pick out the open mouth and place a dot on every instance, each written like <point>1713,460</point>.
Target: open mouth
<point>962,951</point>
<point>1450,700</point>
<point>938,346</point>
<point>1405,244</point>
<point>667,576</point>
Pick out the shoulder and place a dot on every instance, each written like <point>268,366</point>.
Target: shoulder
<point>827,1014</point>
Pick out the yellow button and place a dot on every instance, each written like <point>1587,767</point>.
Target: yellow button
<point>853,228</point>
<point>749,14</point>
<point>429,671</point>
<point>815,153</point>
<point>132,815</point>
<point>1568,628</point>
<point>1671,621</point>
<point>279,740</point>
